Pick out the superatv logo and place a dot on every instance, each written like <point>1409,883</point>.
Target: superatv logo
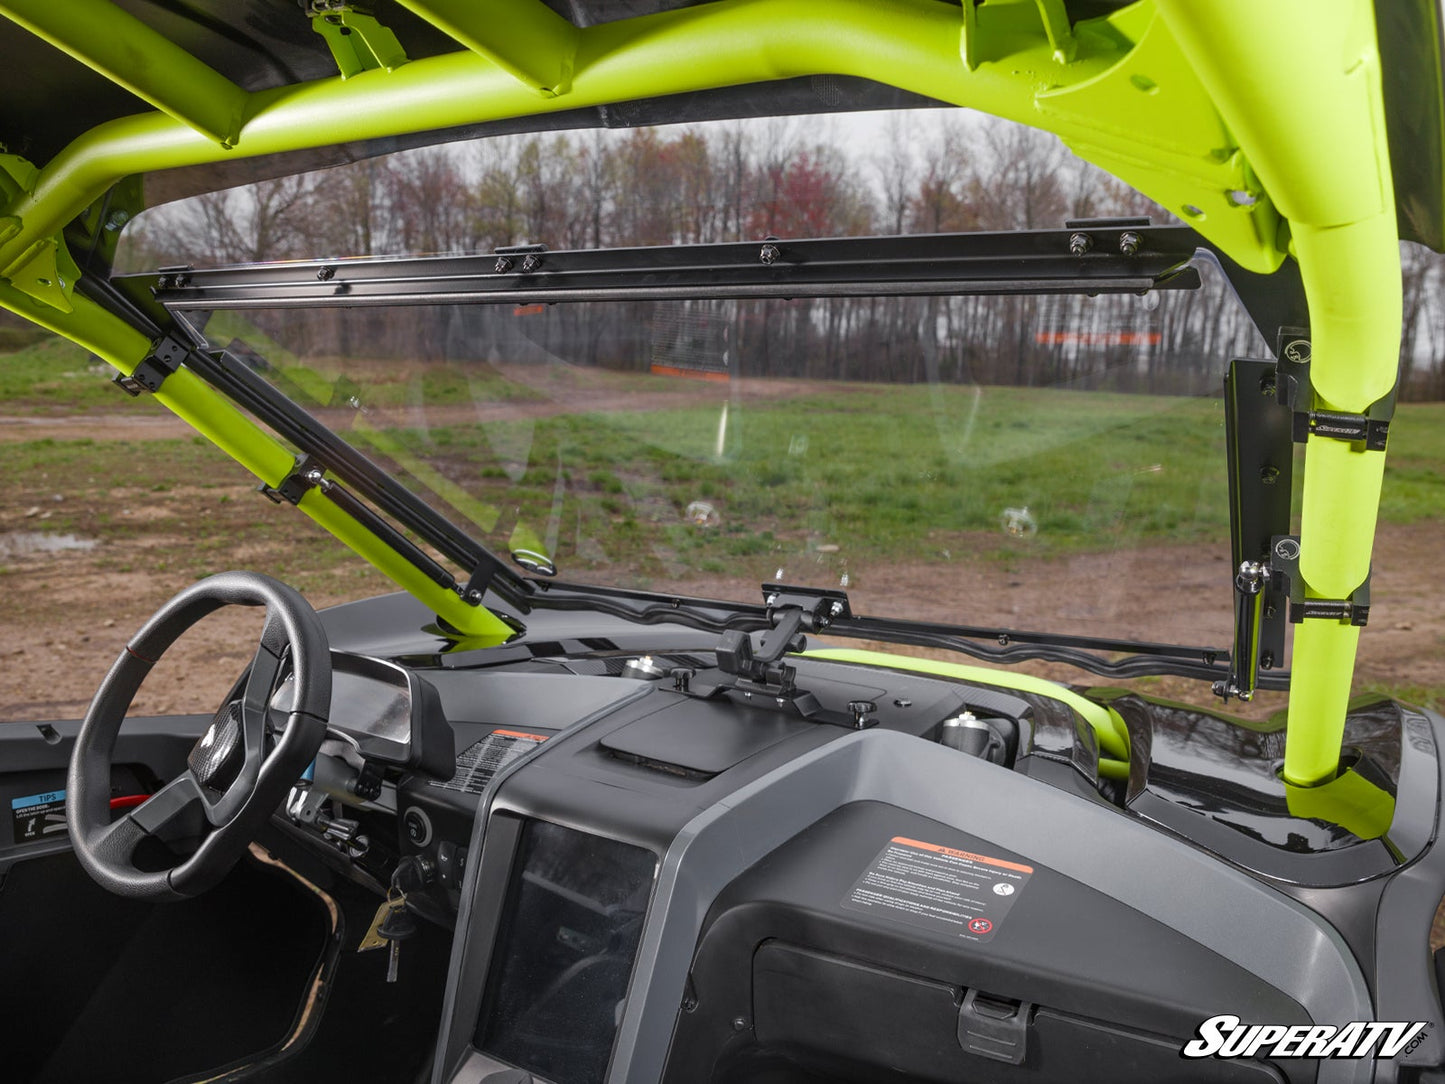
<point>1227,1037</point>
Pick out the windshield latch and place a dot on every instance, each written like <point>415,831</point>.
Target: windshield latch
<point>791,610</point>
<point>1253,603</point>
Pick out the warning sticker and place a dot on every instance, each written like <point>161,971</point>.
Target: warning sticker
<point>939,888</point>
<point>478,762</point>
<point>38,815</point>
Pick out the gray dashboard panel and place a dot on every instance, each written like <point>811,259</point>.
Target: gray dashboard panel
<point>1283,942</point>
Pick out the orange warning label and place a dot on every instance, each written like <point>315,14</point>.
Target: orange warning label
<point>987,861</point>
<point>521,734</point>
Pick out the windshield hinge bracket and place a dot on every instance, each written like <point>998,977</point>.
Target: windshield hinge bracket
<point>165,357</point>
<point>305,475</point>
<point>820,606</point>
<point>1293,388</point>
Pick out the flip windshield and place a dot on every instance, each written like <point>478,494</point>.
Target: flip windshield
<point>1050,462</point>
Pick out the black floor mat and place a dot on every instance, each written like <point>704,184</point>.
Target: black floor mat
<point>95,987</point>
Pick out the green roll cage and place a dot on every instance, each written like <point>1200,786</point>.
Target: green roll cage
<point>1272,153</point>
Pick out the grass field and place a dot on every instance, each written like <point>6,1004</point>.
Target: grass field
<point>880,471</point>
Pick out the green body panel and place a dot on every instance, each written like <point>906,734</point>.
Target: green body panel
<point>1261,124</point>
<point>1108,727</point>
<point>1349,800</point>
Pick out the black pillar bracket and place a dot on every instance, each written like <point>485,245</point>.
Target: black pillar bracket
<point>165,358</point>
<point>1284,561</point>
<point>305,475</point>
<point>1295,391</point>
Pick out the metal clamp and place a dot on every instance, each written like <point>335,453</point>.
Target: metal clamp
<point>306,475</point>
<point>1284,561</point>
<point>1294,390</point>
<point>165,357</point>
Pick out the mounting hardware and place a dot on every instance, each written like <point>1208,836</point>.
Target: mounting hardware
<point>1293,388</point>
<point>325,273</point>
<point>769,254</point>
<point>531,258</point>
<point>862,712</point>
<point>1080,243</point>
<point>306,474</point>
<point>1129,242</point>
<point>165,358</point>
<point>1284,561</point>
<point>820,606</point>
<point>1250,584</point>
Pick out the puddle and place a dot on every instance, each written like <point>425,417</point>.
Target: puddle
<point>26,543</point>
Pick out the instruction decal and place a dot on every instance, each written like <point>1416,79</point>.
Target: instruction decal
<point>37,816</point>
<point>480,761</point>
<point>939,888</point>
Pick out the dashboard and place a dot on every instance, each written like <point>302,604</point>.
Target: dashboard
<point>655,874</point>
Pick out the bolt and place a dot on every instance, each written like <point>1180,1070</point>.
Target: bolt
<point>1269,475</point>
<point>836,610</point>
<point>1080,243</point>
<point>474,595</point>
<point>504,264</point>
<point>1287,549</point>
<point>1129,242</point>
<point>1268,384</point>
<point>531,262</point>
<point>739,1023</point>
<point>772,599</point>
<point>116,220</point>
<point>902,702</point>
<point>769,254</point>
<point>323,274</point>
<point>314,476</point>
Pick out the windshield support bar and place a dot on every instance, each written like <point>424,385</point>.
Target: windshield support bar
<point>1093,260</point>
<point>235,379</point>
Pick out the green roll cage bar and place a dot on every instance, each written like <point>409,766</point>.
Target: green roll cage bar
<point>1271,153</point>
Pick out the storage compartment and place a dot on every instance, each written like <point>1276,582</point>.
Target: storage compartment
<point>823,1017</point>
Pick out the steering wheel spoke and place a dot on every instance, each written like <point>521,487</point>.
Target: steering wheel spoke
<point>166,805</point>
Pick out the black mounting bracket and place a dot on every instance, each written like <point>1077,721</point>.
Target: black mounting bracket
<point>1284,562</point>
<point>305,475</point>
<point>1295,391</point>
<point>1261,477</point>
<point>758,675</point>
<point>165,357</point>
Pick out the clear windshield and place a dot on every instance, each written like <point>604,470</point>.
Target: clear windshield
<point>1037,462</point>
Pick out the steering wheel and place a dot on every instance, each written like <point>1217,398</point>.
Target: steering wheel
<point>230,774</point>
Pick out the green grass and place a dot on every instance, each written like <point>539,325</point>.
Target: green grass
<point>52,376</point>
<point>912,473</point>
<point>879,472</point>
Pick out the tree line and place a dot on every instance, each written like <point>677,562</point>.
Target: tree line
<point>738,181</point>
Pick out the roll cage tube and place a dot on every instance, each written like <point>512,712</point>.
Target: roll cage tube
<point>1264,149</point>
